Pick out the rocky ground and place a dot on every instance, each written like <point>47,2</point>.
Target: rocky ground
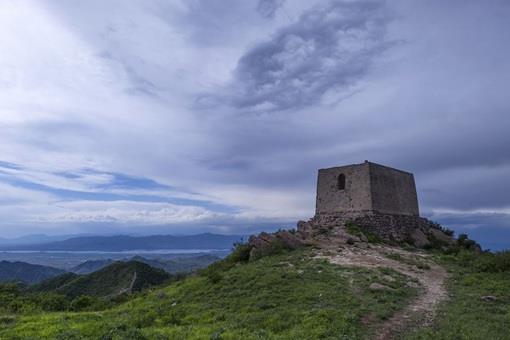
<point>417,266</point>
<point>352,247</point>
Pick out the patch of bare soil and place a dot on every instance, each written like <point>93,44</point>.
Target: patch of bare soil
<point>432,280</point>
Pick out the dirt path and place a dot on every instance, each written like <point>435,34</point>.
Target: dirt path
<point>133,283</point>
<point>432,280</point>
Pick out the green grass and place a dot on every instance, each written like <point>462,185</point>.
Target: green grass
<point>465,315</point>
<point>416,261</point>
<point>286,296</point>
<point>108,281</point>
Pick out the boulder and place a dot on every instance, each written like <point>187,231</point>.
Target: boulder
<point>267,244</point>
<point>419,238</point>
<point>389,278</point>
<point>441,236</point>
<point>378,286</point>
<point>488,298</point>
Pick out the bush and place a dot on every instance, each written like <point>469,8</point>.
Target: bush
<point>214,272</point>
<point>240,253</point>
<point>54,302</point>
<point>83,302</point>
<point>214,276</point>
<point>464,242</point>
<point>484,262</point>
<point>494,262</point>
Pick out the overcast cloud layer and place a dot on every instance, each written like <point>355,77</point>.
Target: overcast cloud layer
<point>214,115</point>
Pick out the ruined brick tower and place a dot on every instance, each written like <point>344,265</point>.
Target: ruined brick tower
<point>378,199</point>
<point>359,204</point>
<point>366,188</point>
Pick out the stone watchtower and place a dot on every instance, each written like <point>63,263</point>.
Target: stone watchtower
<point>376,198</point>
<point>366,188</point>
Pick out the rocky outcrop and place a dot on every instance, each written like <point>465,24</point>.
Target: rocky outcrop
<point>353,228</point>
<point>266,244</point>
<point>393,229</point>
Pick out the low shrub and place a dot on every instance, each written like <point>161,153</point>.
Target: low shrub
<point>87,303</point>
<point>51,302</point>
<point>485,262</point>
<point>240,253</point>
<point>464,242</point>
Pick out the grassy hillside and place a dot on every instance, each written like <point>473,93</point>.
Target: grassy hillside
<point>466,315</point>
<point>288,296</point>
<point>54,284</point>
<point>113,280</point>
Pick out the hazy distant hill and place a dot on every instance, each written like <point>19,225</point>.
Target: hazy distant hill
<point>180,265</point>
<point>33,239</point>
<point>112,280</point>
<point>177,265</point>
<point>123,243</point>
<point>26,273</point>
<point>91,266</point>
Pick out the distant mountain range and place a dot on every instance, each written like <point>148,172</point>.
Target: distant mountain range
<point>116,279</point>
<point>26,273</point>
<point>126,243</point>
<point>22,272</point>
<point>34,239</point>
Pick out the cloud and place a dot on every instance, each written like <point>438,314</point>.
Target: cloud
<point>329,49</point>
<point>268,8</point>
<point>125,212</point>
<point>98,103</point>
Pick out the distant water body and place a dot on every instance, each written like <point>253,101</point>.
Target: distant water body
<point>126,252</point>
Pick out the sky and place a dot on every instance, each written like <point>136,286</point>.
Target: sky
<point>190,116</point>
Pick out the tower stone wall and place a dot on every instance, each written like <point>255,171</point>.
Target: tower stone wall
<point>361,203</point>
<point>366,188</point>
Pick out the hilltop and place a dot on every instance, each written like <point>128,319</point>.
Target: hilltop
<point>173,266</point>
<point>365,290</point>
<point>116,279</point>
<point>366,266</point>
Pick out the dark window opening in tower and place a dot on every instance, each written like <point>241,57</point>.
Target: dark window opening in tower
<point>341,182</point>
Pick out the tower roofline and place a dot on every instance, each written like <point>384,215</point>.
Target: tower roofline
<point>364,163</point>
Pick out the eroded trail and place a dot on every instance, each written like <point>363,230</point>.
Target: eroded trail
<point>432,280</point>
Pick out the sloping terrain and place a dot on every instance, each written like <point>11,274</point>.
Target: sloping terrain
<point>55,283</point>
<point>113,280</point>
<point>289,296</point>
<point>416,266</point>
<point>26,273</point>
<point>360,291</point>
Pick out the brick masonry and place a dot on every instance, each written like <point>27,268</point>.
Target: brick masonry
<point>379,199</point>
<point>368,187</point>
